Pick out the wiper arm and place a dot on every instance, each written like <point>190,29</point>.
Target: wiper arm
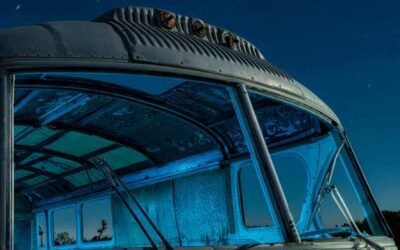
<point>370,242</point>
<point>339,201</point>
<point>114,182</point>
<point>337,197</point>
<point>325,183</point>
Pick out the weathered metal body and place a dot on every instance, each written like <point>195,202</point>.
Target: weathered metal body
<point>156,42</point>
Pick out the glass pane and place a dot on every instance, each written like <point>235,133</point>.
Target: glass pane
<point>64,226</point>
<point>87,143</point>
<point>32,157</point>
<point>97,221</point>
<point>18,174</point>
<point>122,157</point>
<point>163,128</point>
<point>41,231</point>
<point>254,206</point>
<point>54,165</point>
<point>281,123</point>
<point>37,136</point>
<point>289,129</point>
<point>346,184</point>
<point>36,180</point>
<point>81,178</point>
<point>292,174</point>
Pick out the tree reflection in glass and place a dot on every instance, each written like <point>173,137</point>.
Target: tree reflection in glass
<point>64,222</point>
<point>97,221</point>
<point>41,231</point>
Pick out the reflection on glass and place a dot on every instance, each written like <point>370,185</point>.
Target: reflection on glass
<point>254,206</point>
<point>292,174</point>
<point>338,206</point>
<point>345,183</point>
<point>97,221</point>
<point>64,226</point>
<point>41,231</point>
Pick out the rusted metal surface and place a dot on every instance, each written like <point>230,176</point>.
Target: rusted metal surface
<point>168,20</point>
<point>230,40</point>
<point>199,29</point>
<point>132,39</point>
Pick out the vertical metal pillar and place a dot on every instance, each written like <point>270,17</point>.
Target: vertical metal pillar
<point>264,167</point>
<point>6,161</point>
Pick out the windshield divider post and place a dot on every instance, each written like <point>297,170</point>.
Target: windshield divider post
<point>263,162</point>
<point>6,161</point>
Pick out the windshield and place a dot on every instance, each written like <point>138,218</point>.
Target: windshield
<point>321,186</point>
<point>149,155</point>
<point>169,163</point>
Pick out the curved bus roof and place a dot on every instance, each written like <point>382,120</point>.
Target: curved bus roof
<point>152,40</point>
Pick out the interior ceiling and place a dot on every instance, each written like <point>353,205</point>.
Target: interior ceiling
<point>57,131</point>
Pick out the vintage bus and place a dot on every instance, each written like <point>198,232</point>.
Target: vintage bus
<point>147,129</point>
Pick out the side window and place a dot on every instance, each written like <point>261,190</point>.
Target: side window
<point>97,221</point>
<point>64,226</point>
<point>41,231</point>
<point>254,206</point>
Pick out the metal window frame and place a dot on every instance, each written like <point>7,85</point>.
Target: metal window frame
<point>240,191</point>
<point>7,82</point>
<point>37,245</point>
<point>40,65</point>
<point>355,164</point>
<point>81,242</point>
<point>272,232</point>
<point>51,227</point>
<point>264,166</point>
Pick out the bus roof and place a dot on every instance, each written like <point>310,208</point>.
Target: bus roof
<point>152,40</point>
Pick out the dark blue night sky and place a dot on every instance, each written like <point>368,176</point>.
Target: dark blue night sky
<point>347,52</point>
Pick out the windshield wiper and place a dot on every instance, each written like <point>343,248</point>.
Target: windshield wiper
<point>325,183</point>
<point>337,197</point>
<point>115,182</point>
<point>339,201</point>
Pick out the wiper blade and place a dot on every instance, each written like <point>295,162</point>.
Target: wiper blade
<point>370,242</point>
<point>115,182</point>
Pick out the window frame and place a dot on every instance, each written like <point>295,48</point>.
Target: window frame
<point>240,196</point>
<point>272,233</point>
<point>37,246</point>
<point>51,222</point>
<point>299,150</point>
<point>354,182</point>
<point>82,243</point>
<point>290,152</point>
<point>270,95</point>
<point>77,205</point>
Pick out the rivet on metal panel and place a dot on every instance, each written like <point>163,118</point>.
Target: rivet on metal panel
<point>168,20</point>
<point>230,40</point>
<point>199,28</point>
